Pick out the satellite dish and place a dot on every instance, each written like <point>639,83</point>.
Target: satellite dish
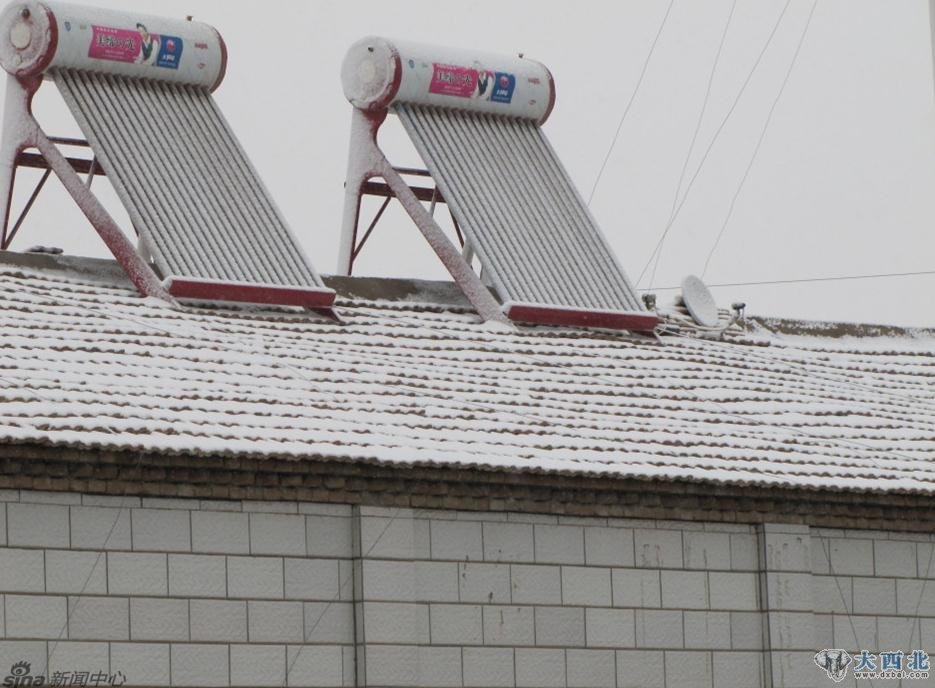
<point>699,302</point>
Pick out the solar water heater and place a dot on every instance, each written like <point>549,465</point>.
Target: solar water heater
<point>476,121</point>
<point>140,89</point>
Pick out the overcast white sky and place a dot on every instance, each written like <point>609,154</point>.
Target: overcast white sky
<point>844,182</point>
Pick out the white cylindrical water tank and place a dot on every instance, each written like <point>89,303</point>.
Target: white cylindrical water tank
<point>38,36</point>
<point>378,72</point>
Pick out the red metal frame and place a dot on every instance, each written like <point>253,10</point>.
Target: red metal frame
<point>362,168</point>
<point>36,161</point>
<point>266,294</point>
<point>373,224</point>
<point>556,315</point>
<point>20,132</point>
<point>5,238</point>
<point>371,188</point>
<point>367,161</point>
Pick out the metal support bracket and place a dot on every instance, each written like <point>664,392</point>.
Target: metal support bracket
<point>22,131</point>
<point>368,161</point>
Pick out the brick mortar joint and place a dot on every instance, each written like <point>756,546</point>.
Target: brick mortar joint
<point>371,484</point>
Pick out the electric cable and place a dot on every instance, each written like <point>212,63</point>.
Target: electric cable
<point>697,130</point>
<point>759,143</point>
<point>714,139</point>
<point>629,105</point>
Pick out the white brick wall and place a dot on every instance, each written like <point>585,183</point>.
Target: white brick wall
<point>488,583</point>
<point>137,573</point>
<point>22,570</point>
<point>35,616</point>
<point>608,546</point>
<point>636,588</point>
<point>161,530</point>
<point>260,577</point>
<point>199,665</point>
<point>560,626</point>
<point>278,534</point>
<point>159,619</point>
<point>509,542</point>
<point>275,622</point>
<point>456,624</point>
<point>184,592</point>
<point>257,665</point>
<point>96,527</point>
<point>641,669</point>
<point>38,525</point>
<point>610,627</point>
<point>486,666</point>
<point>706,550</point>
<point>75,572</point>
<point>142,663</point>
<point>591,668</point>
<point>539,668</point>
<point>458,540</point>
<point>98,618</point>
<point>223,621</point>
<point>177,592</point>
<point>659,628</point>
<point>197,575</point>
<point>559,544</point>
<point>505,625</point>
<point>684,589</point>
<point>535,584</point>
<point>586,586</point>
<point>658,548</point>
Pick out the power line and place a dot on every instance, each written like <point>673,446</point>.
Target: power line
<point>759,143</point>
<point>717,134</point>
<point>636,90</point>
<point>694,139</point>
<point>807,280</point>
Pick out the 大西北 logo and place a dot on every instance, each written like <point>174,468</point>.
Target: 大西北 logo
<point>882,666</point>
<point>834,662</point>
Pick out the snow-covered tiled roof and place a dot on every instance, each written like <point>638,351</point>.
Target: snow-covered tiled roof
<point>85,362</point>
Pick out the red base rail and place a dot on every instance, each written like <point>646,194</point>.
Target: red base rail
<point>206,290</point>
<point>577,317</point>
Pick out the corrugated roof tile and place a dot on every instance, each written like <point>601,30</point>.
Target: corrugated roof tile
<point>87,363</point>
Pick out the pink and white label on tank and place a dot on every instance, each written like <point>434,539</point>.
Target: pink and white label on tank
<point>138,47</point>
<point>119,45</point>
